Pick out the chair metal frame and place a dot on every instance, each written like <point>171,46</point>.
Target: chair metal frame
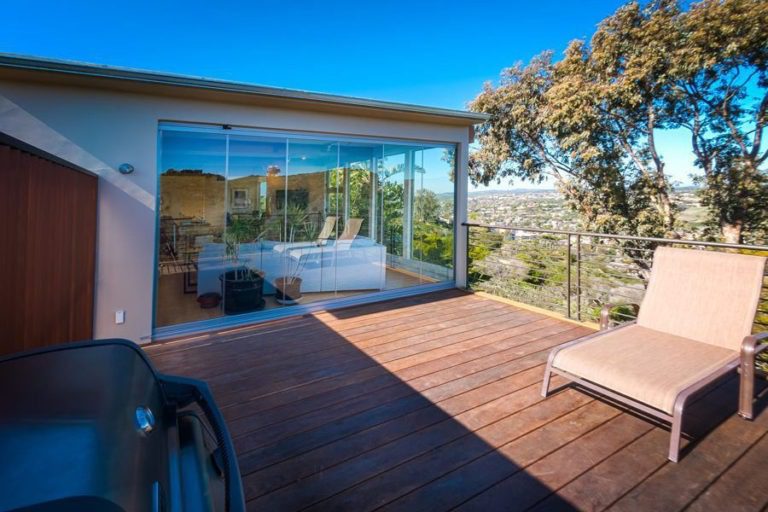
<point>751,347</point>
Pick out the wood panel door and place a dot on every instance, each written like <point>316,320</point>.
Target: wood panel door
<point>47,251</point>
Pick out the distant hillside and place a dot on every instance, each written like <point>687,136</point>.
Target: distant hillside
<point>513,192</point>
<point>519,191</point>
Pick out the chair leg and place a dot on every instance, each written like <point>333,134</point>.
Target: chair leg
<point>547,378</point>
<point>747,386</point>
<point>677,430</point>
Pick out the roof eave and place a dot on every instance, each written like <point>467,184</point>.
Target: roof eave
<point>19,62</point>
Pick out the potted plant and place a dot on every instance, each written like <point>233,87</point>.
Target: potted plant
<point>288,289</point>
<point>288,286</point>
<point>242,287</point>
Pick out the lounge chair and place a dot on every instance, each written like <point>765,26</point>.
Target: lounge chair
<point>351,229</point>
<point>693,327</point>
<point>327,231</point>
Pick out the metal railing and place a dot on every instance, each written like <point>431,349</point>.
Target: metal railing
<point>574,273</point>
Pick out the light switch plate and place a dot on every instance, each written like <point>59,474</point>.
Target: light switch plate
<point>120,316</point>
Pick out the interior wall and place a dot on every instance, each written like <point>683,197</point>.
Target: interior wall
<point>100,129</point>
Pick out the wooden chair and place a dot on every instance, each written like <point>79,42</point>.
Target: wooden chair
<point>694,326</point>
<point>172,264</point>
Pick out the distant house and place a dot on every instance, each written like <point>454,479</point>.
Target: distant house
<point>310,186</point>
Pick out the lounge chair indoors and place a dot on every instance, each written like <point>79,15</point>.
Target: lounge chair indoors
<point>327,231</point>
<point>694,326</point>
<point>351,229</point>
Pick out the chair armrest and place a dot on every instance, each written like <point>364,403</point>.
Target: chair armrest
<point>751,344</point>
<point>751,347</point>
<point>605,315</point>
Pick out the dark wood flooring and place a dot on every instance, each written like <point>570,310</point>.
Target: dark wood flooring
<point>432,403</point>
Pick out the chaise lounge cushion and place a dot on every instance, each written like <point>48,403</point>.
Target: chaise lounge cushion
<point>646,365</point>
<point>706,296</point>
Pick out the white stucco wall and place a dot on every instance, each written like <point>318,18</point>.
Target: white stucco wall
<point>100,129</point>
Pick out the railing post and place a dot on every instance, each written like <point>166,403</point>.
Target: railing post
<point>578,277</point>
<point>568,280</point>
<point>466,259</point>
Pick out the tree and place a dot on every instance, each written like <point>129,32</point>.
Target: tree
<point>426,207</point>
<point>392,208</point>
<point>547,121</point>
<point>590,121</point>
<point>612,95</point>
<point>720,73</point>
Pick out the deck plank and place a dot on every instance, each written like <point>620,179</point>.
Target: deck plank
<point>457,361</point>
<point>372,388</point>
<point>432,403</point>
<point>406,369</point>
<point>525,488</point>
<point>674,486</point>
<point>472,479</point>
<point>742,487</point>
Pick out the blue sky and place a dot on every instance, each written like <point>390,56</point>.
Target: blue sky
<point>433,53</point>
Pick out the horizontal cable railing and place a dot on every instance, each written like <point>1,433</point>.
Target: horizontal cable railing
<point>574,273</point>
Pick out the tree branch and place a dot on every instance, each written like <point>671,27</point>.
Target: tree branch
<point>698,141</point>
<point>725,112</point>
<point>757,140</point>
<point>652,142</point>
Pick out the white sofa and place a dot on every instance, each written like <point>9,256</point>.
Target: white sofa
<point>336,265</point>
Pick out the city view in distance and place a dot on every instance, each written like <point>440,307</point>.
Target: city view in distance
<point>546,209</point>
<point>532,268</point>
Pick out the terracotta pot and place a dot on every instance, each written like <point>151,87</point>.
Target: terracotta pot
<point>287,290</point>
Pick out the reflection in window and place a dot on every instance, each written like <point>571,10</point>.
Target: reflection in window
<point>251,222</point>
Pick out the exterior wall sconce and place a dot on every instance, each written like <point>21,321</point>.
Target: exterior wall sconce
<point>126,169</point>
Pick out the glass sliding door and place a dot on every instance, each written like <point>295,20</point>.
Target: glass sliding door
<point>310,202</point>
<point>360,257</point>
<point>397,195</point>
<point>256,168</point>
<point>192,217</point>
<point>417,202</point>
<point>433,213</point>
<point>392,204</point>
<point>251,222</point>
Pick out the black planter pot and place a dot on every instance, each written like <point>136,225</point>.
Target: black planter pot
<point>243,290</point>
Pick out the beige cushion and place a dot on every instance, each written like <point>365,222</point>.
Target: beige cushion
<point>327,231</point>
<point>649,366</point>
<point>702,295</point>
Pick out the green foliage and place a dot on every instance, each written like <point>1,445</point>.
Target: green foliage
<point>720,77</point>
<point>590,121</point>
<point>544,266</point>
<point>426,207</point>
<point>246,228</point>
<point>392,216</point>
<point>433,243</point>
<point>482,243</point>
<point>242,229</point>
<point>360,193</point>
<point>300,226</point>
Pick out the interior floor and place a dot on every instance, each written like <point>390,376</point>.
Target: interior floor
<point>177,307</point>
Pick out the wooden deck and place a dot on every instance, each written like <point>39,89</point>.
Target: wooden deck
<point>432,403</point>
